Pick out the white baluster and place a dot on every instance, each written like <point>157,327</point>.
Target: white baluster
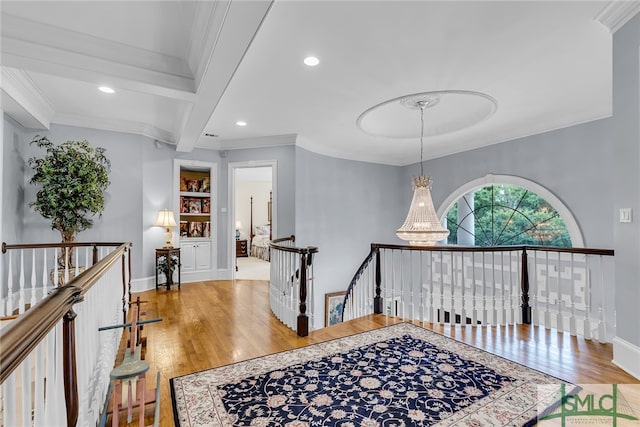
<point>547,313</point>
<point>602,324</point>
<point>56,268</point>
<point>21,299</point>
<point>452,315</point>
<point>38,413</point>
<point>559,301</point>
<point>586,327</point>
<point>45,278</point>
<point>485,313</point>
<point>33,278</point>
<point>494,308</point>
<point>572,320</point>
<point>66,264</point>
<point>441,309</point>
<point>10,416</point>
<point>9,303</point>
<point>432,309</point>
<point>533,293</point>
<point>463,285</point>
<point>474,310</point>
<point>25,402</point>
<point>503,306</point>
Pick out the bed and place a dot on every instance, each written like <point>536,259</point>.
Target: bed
<point>261,235</point>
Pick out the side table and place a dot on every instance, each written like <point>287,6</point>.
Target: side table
<point>169,253</point>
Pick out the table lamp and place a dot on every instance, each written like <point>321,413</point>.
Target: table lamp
<point>166,220</point>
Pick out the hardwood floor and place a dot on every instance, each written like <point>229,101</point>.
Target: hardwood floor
<point>209,324</point>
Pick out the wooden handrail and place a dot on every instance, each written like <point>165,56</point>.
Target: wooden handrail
<point>275,244</point>
<point>456,248</point>
<point>19,338</point>
<point>24,334</point>
<point>5,246</point>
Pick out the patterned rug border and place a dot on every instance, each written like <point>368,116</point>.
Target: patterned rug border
<point>246,368</point>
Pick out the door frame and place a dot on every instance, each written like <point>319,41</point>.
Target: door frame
<point>231,223</point>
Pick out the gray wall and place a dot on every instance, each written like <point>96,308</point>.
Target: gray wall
<point>14,164</point>
<point>141,184</point>
<point>342,206</point>
<point>573,163</point>
<point>626,177</point>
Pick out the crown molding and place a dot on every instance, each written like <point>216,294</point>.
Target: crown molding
<point>245,143</point>
<point>31,102</point>
<point>34,46</point>
<point>617,13</point>
<point>136,128</point>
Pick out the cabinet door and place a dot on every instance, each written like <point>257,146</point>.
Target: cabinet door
<point>203,255</point>
<point>188,256</point>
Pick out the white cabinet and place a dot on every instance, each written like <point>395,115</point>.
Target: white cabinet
<point>195,255</point>
<point>195,202</point>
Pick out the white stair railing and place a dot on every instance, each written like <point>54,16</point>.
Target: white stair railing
<point>44,349</point>
<point>561,288</point>
<point>291,284</point>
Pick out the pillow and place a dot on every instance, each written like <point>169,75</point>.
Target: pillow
<point>262,230</point>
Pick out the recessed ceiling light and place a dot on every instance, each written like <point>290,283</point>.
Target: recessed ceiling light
<point>241,123</point>
<point>106,89</point>
<point>311,61</point>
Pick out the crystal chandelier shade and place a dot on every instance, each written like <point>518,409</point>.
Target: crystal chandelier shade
<point>422,226</point>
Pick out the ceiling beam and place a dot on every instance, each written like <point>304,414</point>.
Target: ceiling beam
<point>240,21</point>
<point>43,48</point>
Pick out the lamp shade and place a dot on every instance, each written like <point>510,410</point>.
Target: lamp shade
<point>238,225</point>
<point>165,219</point>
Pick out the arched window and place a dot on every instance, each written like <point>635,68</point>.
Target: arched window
<point>498,214</point>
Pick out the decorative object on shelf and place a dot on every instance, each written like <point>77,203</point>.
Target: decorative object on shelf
<point>193,185</point>
<point>195,229</point>
<point>205,186</point>
<point>206,205</point>
<point>184,229</point>
<point>422,226</point>
<point>195,206</point>
<point>73,178</point>
<point>183,183</point>
<point>166,220</point>
<point>238,228</point>
<point>206,229</point>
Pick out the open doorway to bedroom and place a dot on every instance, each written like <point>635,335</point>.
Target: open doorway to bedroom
<point>253,220</point>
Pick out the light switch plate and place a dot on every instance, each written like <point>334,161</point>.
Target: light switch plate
<point>625,215</point>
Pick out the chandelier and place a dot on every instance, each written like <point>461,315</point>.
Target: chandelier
<point>422,227</point>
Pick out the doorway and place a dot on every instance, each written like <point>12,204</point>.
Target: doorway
<point>252,219</point>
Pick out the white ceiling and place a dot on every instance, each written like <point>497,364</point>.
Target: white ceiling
<point>182,69</point>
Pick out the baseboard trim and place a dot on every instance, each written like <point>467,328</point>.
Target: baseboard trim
<point>627,356</point>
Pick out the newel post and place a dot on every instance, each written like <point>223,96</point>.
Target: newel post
<point>377,300</point>
<point>303,319</point>
<point>524,287</point>
<point>69,367</point>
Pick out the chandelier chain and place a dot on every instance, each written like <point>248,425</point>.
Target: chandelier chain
<point>422,106</point>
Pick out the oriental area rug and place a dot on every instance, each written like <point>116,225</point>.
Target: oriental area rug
<point>400,375</point>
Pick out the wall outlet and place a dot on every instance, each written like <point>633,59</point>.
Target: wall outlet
<point>625,215</point>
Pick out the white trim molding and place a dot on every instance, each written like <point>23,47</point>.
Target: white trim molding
<point>626,356</point>
<point>569,220</point>
<point>617,13</point>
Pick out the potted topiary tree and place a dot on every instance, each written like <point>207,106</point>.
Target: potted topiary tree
<point>72,177</point>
